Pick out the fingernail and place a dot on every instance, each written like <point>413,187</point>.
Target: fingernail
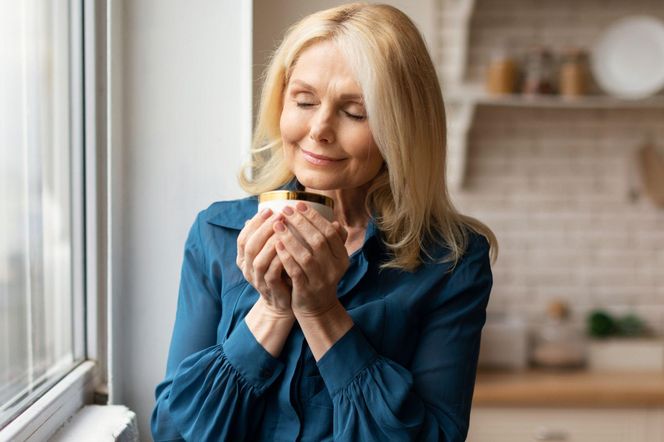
<point>302,207</point>
<point>280,227</point>
<point>265,213</point>
<point>287,210</point>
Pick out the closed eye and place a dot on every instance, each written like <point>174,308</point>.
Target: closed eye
<point>355,116</point>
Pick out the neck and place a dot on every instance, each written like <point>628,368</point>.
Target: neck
<point>349,208</point>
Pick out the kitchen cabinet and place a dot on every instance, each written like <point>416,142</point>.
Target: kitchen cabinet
<point>570,406</point>
<point>493,424</point>
<point>463,93</point>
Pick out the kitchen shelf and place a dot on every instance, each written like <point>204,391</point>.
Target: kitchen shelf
<point>462,98</point>
<point>475,95</point>
<point>462,102</point>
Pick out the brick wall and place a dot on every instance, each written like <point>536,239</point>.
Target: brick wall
<point>556,185</point>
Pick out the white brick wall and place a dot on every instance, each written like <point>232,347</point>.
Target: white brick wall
<point>557,197</point>
<point>554,184</point>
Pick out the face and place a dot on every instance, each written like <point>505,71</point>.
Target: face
<point>324,127</point>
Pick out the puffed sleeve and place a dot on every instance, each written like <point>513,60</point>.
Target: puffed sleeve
<point>376,399</point>
<point>211,391</point>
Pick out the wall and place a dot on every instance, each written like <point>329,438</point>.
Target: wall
<point>272,19</point>
<point>556,184</point>
<point>555,187</point>
<point>184,115</point>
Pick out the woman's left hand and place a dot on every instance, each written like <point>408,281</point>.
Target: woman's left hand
<point>316,262</point>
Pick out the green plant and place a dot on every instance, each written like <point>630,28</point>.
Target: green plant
<point>601,324</point>
<point>631,325</point>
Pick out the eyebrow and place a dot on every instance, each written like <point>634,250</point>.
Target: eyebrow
<point>306,85</point>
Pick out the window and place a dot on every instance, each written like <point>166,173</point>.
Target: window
<point>41,221</point>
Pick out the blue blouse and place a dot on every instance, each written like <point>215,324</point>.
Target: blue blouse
<point>405,370</point>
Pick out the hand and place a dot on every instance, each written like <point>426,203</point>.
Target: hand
<point>260,265</point>
<point>315,262</point>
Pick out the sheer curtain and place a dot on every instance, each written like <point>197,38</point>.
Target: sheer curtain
<point>36,342</point>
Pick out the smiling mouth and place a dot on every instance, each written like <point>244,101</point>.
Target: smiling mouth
<point>319,160</point>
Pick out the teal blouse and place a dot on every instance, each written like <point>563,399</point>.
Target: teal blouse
<point>404,372</point>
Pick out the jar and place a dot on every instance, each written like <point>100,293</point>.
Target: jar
<point>573,77</point>
<point>501,73</point>
<point>557,342</point>
<point>538,72</point>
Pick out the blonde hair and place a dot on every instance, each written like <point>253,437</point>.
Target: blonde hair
<point>407,119</point>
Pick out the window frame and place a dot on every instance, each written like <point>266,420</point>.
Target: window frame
<point>85,382</point>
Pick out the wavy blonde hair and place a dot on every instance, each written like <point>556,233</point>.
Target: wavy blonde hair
<point>407,119</point>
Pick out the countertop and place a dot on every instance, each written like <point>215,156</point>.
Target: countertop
<point>568,388</point>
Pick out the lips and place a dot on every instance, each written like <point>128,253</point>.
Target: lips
<point>318,157</point>
<point>319,160</point>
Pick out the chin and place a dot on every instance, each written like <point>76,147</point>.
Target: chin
<point>315,182</point>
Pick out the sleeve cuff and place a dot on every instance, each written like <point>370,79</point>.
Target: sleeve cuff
<point>250,359</point>
<point>351,354</point>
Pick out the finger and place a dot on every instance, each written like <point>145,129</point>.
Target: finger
<point>297,275</point>
<point>265,257</point>
<point>249,227</point>
<point>313,216</point>
<point>334,234</point>
<point>337,236</point>
<point>311,226</point>
<point>303,256</point>
<point>273,273</point>
<point>342,231</point>
<point>274,278</point>
<point>323,225</point>
<point>256,242</point>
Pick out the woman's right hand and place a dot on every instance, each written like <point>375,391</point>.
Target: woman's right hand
<point>260,265</point>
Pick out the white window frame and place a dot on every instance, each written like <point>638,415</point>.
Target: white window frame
<point>43,418</point>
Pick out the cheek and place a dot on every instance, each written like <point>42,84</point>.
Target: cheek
<point>367,148</point>
<point>292,128</point>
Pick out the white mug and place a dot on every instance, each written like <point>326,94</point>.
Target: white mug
<point>278,199</point>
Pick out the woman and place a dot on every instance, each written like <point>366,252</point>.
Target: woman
<point>374,331</point>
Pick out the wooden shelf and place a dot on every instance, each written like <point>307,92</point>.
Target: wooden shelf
<point>575,388</point>
<point>475,95</point>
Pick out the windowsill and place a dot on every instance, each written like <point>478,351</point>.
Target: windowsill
<point>43,418</point>
<point>100,422</point>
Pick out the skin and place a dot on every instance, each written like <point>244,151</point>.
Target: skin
<point>329,147</point>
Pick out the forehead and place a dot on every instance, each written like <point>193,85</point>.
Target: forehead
<point>323,64</point>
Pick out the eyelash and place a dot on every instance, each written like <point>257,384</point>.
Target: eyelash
<point>348,114</point>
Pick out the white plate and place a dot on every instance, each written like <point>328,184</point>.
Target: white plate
<point>628,59</point>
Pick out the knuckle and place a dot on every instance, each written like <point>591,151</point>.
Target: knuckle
<point>261,266</point>
<point>318,240</point>
<point>271,278</point>
<point>250,250</point>
<point>330,232</point>
<point>247,275</point>
<point>307,259</point>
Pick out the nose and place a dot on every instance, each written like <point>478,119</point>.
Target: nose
<point>322,127</point>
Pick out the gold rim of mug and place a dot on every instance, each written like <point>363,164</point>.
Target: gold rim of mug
<point>280,195</point>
